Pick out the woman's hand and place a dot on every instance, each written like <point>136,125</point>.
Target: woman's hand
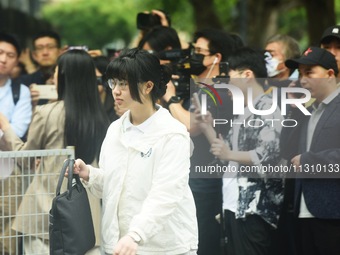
<point>126,246</point>
<point>81,169</point>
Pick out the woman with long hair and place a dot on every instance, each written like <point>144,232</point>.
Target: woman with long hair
<point>76,119</point>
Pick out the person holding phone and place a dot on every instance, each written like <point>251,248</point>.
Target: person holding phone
<point>45,52</point>
<point>252,200</point>
<point>211,47</point>
<point>143,172</point>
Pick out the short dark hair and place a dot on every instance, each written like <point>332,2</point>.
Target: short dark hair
<point>219,41</point>
<point>101,63</point>
<point>11,39</point>
<point>136,66</point>
<point>50,34</point>
<point>160,37</point>
<point>248,58</point>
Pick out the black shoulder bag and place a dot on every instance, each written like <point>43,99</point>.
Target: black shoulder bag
<point>71,229</point>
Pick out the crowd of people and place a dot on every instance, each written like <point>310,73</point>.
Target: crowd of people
<point>146,194</point>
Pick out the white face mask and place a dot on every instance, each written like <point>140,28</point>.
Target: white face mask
<point>272,65</point>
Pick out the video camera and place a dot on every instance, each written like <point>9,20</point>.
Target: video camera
<point>147,21</point>
<point>180,64</point>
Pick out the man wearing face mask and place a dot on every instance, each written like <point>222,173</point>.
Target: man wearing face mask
<point>278,49</point>
<point>211,48</point>
<point>281,48</point>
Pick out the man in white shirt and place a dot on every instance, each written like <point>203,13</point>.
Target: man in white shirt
<point>15,105</point>
<point>18,113</point>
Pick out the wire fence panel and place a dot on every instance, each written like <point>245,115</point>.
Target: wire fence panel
<point>28,182</point>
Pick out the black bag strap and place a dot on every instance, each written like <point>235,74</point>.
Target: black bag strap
<point>68,164</point>
<point>15,90</point>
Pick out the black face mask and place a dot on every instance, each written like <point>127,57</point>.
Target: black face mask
<point>196,64</point>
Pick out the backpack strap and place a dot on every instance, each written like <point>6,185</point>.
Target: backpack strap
<point>15,90</point>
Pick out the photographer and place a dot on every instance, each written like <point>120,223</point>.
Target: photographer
<point>165,43</point>
<point>211,48</point>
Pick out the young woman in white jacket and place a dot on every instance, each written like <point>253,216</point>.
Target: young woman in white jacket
<point>143,172</point>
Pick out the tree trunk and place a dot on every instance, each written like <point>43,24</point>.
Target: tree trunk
<point>320,15</point>
<point>262,21</point>
<point>204,14</point>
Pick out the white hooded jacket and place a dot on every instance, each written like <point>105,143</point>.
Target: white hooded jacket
<point>144,186</point>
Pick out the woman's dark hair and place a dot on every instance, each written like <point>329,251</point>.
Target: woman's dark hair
<point>137,66</point>
<point>160,38</point>
<point>85,119</point>
<point>101,63</point>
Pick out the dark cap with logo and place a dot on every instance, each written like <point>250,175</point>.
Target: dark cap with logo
<point>314,56</point>
<point>330,33</point>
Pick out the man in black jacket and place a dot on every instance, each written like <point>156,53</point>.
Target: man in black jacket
<point>313,145</point>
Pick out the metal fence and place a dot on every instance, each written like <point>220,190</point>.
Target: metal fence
<point>28,182</point>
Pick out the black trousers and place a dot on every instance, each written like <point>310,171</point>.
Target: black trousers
<point>318,236</point>
<point>283,240</point>
<point>250,236</point>
<point>208,205</point>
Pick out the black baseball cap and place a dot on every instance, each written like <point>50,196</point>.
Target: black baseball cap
<point>314,56</point>
<point>330,32</point>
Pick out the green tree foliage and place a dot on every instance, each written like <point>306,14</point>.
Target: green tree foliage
<point>91,22</point>
<point>181,12</point>
<point>98,23</point>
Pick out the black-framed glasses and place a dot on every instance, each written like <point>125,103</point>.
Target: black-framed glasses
<point>114,82</point>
